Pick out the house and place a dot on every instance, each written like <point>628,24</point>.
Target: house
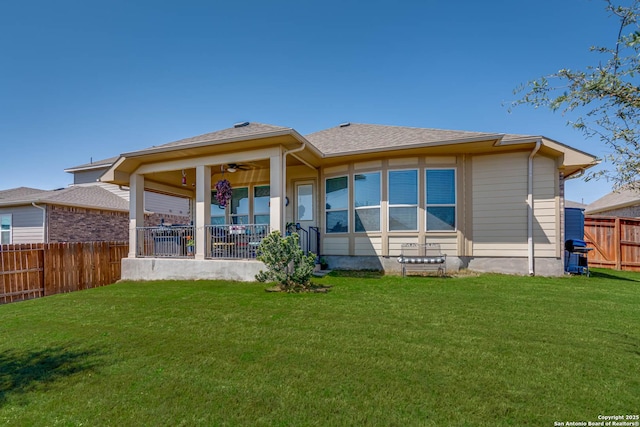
<point>357,192</point>
<point>623,203</point>
<point>88,210</point>
<point>70,214</point>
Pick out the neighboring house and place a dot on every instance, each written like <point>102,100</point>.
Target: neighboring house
<point>72,214</point>
<point>492,201</point>
<point>572,204</point>
<point>623,203</point>
<point>162,207</point>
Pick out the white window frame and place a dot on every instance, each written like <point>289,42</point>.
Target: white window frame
<point>379,206</point>
<point>446,205</point>
<point>10,231</point>
<point>416,205</point>
<point>347,208</point>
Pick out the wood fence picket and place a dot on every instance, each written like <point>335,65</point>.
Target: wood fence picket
<point>34,270</point>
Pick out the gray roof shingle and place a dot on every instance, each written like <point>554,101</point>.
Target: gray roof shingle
<point>229,133</point>
<point>91,196</point>
<point>19,192</point>
<point>356,137</point>
<point>621,197</point>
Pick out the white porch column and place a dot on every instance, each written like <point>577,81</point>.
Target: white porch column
<point>202,208</point>
<point>276,186</point>
<point>136,210</point>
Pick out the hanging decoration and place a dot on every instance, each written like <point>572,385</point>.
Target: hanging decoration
<point>223,192</point>
<point>184,178</point>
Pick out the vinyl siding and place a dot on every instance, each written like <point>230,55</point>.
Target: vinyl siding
<point>164,204</point>
<point>27,224</point>
<point>448,244</point>
<point>545,224</point>
<point>500,205</point>
<point>335,245</point>
<point>88,177</point>
<point>395,243</point>
<point>368,246</point>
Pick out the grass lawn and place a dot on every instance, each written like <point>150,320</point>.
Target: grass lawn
<point>375,350</point>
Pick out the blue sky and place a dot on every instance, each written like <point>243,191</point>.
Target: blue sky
<point>82,80</point>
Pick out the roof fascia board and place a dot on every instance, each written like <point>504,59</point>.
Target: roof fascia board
<point>237,157</point>
<point>88,168</point>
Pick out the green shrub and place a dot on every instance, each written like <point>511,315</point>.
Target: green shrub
<point>287,265</point>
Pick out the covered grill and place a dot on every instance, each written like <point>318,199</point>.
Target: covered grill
<point>576,261</point>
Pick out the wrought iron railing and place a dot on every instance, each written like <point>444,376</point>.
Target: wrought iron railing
<point>234,241</point>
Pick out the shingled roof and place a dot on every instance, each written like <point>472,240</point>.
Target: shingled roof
<point>91,197</point>
<point>353,137</point>
<point>13,193</point>
<point>616,199</point>
<point>244,130</point>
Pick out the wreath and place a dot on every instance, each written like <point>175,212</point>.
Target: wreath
<point>223,192</point>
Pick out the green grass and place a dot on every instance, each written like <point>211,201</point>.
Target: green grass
<point>376,350</point>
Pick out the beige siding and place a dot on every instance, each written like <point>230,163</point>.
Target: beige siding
<point>395,243</point>
<point>27,224</point>
<point>499,198</point>
<point>545,225</point>
<point>335,245</point>
<point>368,246</point>
<point>448,244</point>
<point>164,204</point>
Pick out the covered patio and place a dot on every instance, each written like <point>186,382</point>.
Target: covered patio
<point>256,161</point>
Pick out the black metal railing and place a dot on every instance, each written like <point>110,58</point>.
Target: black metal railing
<point>176,241</point>
<point>234,241</point>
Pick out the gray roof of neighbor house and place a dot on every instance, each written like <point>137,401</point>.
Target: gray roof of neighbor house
<point>104,163</point>
<point>354,137</point>
<point>572,204</point>
<point>19,192</point>
<point>91,197</point>
<point>616,199</point>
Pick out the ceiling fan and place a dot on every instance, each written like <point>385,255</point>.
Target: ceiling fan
<point>232,167</point>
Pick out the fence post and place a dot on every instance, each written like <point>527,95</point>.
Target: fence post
<point>617,244</point>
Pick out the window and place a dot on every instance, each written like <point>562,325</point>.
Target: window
<point>240,206</point>
<point>367,201</point>
<point>305,202</point>
<point>403,200</point>
<point>5,229</point>
<point>261,203</point>
<point>337,204</point>
<point>217,211</point>
<point>441,199</point>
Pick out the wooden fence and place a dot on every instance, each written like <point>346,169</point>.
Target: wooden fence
<point>35,270</point>
<point>616,242</point>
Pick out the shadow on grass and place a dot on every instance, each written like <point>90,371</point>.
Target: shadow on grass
<point>600,274</point>
<point>23,371</point>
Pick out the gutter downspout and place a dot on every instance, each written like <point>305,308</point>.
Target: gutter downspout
<point>530,208</point>
<point>284,184</point>
<point>45,229</point>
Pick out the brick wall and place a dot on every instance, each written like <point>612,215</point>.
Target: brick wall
<point>71,224</point>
